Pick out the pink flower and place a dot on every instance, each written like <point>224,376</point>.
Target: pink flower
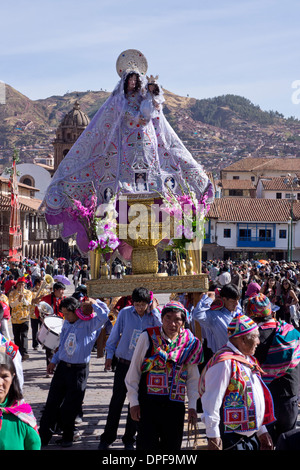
<point>113,243</point>
<point>93,245</point>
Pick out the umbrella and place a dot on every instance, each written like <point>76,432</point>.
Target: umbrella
<point>61,259</point>
<point>263,261</point>
<point>63,279</point>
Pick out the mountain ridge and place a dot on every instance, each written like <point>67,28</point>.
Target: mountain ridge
<point>217,130</point>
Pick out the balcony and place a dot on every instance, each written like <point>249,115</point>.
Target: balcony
<point>256,235</point>
<point>44,234</point>
<point>256,242</point>
<point>207,237</point>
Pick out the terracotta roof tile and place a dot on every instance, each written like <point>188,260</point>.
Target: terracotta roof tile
<point>271,163</point>
<point>276,184</point>
<point>240,209</point>
<point>22,185</point>
<point>26,204</point>
<point>237,184</point>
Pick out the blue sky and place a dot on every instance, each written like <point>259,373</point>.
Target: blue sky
<point>197,47</point>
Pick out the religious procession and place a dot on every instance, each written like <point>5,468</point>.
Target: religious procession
<point>222,350</point>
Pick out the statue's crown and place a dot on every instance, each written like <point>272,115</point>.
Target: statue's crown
<point>151,79</point>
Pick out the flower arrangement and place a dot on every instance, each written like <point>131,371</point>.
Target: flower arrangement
<point>189,218</point>
<point>99,223</point>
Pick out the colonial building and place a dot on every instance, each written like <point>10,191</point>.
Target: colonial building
<point>35,176</point>
<point>37,240</point>
<point>241,228</point>
<point>68,132</point>
<point>279,188</point>
<point>40,239</point>
<point>240,187</point>
<point>255,168</point>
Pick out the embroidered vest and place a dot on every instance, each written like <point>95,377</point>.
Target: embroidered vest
<point>239,411</point>
<point>163,377</point>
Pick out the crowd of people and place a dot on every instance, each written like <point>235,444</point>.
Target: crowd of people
<point>239,371</point>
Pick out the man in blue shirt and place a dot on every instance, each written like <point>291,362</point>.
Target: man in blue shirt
<point>214,316</point>
<point>130,323</point>
<point>70,364</point>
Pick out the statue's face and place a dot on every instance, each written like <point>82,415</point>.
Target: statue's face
<point>132,82</point>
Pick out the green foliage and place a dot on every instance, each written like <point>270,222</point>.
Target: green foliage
<point>222,109</point>
<point>16,159</point>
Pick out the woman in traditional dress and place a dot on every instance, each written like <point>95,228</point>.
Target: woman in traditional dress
<point>18,427</point>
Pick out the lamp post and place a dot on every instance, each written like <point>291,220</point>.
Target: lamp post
<point>292,184</point>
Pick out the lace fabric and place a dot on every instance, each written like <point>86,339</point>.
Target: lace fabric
<point>119,153</point>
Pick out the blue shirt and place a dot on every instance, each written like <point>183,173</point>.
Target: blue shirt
<point>214,322</point>
<point>78,339</point>
<point>126,331</point>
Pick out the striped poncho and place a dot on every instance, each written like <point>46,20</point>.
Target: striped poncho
<point>284,352</point>
<point>165,364</point>
<point>186,349</point>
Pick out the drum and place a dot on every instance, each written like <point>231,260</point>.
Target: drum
<point>49,332</point>
<point>44,310</point>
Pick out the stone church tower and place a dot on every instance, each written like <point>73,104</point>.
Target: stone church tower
<point>68,132</point>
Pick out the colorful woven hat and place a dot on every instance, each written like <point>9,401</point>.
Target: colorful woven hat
<point>174,305</point>
<point>240,325</point>
<point>259,306</point>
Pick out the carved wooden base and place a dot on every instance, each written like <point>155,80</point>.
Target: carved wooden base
<point>98,288</point>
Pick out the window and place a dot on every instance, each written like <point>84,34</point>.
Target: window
<point>27,179</point>
<point>252,178</point>
<point>245,233</point>
<point>235,192</point>
<point>278,195</point>
<point>235,177</point>
<point>264,234</point>
<point>227,232</point>
<point>282,233</point>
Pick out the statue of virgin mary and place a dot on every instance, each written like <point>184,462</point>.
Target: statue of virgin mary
<point>128,148</point>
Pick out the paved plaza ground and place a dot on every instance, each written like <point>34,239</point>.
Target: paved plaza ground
<point>96,402</point>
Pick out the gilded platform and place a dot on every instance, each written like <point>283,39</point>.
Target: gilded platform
<point>104,287</point>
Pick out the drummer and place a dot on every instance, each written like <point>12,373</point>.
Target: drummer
<point>70,364</point>
<point>54,300</point>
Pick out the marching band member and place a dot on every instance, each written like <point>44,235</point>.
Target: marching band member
<point>54,299</point>
<point>70,365</point>
<point>38,291</point>
<point>19,302</point>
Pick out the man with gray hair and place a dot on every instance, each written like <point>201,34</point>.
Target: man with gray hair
<point>236,403</point>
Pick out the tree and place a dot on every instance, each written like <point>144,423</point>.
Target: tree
<point>15,158</point>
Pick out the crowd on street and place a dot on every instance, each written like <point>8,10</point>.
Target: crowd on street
<point>229,356</point>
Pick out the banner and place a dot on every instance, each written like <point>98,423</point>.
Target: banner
<point>15,233</point>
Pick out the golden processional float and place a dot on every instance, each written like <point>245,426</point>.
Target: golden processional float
<point>130,157</point>
<point>144,258</point>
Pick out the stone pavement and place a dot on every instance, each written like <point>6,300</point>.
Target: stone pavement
<point>95,406</point>
<point>96,401</point>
